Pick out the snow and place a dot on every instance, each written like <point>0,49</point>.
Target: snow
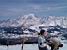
<point>26,31</point>
<point>11,47</point>
<point>26,47</point>
<point>28,35</point>
<point>36,28</point>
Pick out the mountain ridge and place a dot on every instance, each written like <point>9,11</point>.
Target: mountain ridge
<point>31,19</point>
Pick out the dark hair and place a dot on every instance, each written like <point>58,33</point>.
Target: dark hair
<point>42,32</point>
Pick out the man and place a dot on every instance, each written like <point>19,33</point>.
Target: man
<point>55,43</point>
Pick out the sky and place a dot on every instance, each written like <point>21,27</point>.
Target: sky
<point>14,8</point>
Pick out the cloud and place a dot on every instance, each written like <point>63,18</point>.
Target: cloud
<point>16,8</point>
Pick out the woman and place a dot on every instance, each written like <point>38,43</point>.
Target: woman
<point>42,41</point>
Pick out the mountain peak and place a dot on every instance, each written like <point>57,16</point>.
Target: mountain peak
<point>28,20</point>
<point>30,16</point>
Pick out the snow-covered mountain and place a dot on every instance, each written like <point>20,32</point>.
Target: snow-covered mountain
<point>32,20</point>
<point>29,20</point>
<point>25,20</point>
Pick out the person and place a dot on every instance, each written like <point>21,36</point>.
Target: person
<point>45,39</point>
<point>42,41</point>
<point>55,43</point>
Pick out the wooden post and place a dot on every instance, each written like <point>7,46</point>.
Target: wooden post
<point>23,41</point>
